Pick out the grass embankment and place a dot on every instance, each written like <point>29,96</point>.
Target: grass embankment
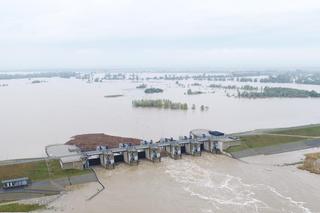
<point>312,131</point>
<point>17,207</point>
<point>113,96</point>
<point>311,163</point>
<point>37,171</point>
<point>277,136</point>
<point>256,141</point>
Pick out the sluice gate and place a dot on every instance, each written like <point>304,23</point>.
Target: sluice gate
<point>198,141</point>
<point>131,154</point>
<point>174,150</point>
<point>153,153</point>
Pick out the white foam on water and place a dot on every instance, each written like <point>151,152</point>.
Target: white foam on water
<point>229,193</point>
<point>289,199</point>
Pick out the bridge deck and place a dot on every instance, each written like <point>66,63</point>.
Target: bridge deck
<point>159,144</point>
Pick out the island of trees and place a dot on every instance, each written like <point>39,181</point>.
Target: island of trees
<point>153,90</point>
<point>219,86</point>
<point>38,81</point>
<point>38,75</point>
<point>190,92</point>
<point>293,77</point>
<point>233,87</point>
<point>141,86</point>
<point>279,92</point>
<point>160,103</point>
<point>113,96</point>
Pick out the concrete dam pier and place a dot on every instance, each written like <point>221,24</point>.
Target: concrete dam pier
<point>71,157</point>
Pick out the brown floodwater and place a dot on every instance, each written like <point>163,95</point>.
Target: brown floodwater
<point>210,183</point>
<point>36,115</point>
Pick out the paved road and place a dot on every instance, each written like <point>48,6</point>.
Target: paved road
<point>287,147</point>
<point>297,136</point>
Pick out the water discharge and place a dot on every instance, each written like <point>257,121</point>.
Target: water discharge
<point>228,192</point>
<point>203,184</point>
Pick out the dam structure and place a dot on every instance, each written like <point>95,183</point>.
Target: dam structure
<point>199,140</point>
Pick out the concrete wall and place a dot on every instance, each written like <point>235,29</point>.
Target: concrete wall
<point>72,165</point>
<point>226,145</point>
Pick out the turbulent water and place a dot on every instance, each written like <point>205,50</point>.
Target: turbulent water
<point>209,183</point>
<point>36,115</point>
<point>229,193</point>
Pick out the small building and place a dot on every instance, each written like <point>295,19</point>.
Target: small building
<point>15,183</point>
<point>107,160</point>
<point>216,133</point>
<point>153,153</point>
<point>200,133</point>
<point>219,140</point>
<point>130,156</point>
<point>72,162</point>
<point>62,150</point>
<point>193,148</point>
<point>174,150</point>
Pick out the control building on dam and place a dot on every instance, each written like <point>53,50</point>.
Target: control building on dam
<point>199,140</point>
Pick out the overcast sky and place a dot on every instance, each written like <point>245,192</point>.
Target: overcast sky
<point>37,34</point>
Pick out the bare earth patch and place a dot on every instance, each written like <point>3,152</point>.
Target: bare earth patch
<point>87,142</point>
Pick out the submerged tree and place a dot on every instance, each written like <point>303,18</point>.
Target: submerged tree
<point>153,90</point>
<point>160,103</point>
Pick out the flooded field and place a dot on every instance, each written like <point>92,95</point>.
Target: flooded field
<point>211,183</point>
<point>50,112</point>
<point>36,115</point>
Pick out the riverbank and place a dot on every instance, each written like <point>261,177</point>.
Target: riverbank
<point>274,141</point>
<point>46,176</point>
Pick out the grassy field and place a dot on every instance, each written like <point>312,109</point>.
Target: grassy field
<point>16,207</point>
<point>37,171</point>
<point>312,130</point>
<point>277,136</point>
<point>255,141</point>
